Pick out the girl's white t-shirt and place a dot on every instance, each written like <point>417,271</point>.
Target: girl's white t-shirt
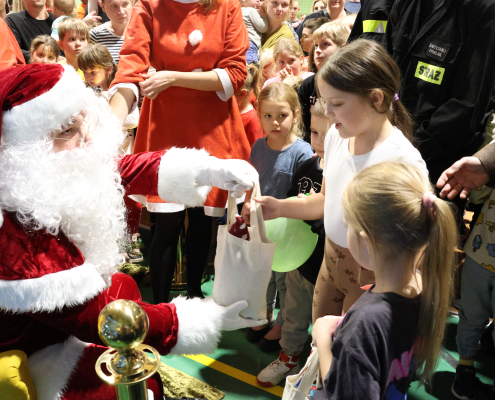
<point>340,167</point>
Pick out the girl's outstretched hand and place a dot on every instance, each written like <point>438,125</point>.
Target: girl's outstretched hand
<point>156,82</point>
<point>271,207</point>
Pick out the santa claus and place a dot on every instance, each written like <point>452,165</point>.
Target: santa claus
<point>61,195</point>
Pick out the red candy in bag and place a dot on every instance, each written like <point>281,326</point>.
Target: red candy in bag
<point>239,228</point>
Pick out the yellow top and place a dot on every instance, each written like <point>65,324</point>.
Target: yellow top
<point>269,41</point>
<point>79,71</point>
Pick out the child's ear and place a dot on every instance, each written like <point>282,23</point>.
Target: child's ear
<point>296,114</point>
<point>366,240</point>
<point>61,45</point>
<point>376,97</point>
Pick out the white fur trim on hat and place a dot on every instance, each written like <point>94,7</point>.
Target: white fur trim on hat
<point>178,177</point>
<point>53,291</point>
<point>52,367</point>
<point>199,326</point>
<point>195,37</point>
<point>40,116</point>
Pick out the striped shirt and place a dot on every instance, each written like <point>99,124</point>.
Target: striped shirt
<point>102,35</point>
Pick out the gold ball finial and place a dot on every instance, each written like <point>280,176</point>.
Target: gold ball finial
<point>123,325</point>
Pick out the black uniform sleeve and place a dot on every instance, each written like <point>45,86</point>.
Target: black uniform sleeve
<point>26,53</point>
<point>357,29</point>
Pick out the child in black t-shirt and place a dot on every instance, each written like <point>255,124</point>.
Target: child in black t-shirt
<point>399,229</point>
<point>301,282</point>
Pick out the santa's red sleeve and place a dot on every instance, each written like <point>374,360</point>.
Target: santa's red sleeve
<point>171,174</point>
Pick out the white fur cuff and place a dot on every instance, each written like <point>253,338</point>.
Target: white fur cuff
<point>178,177</point>
<point>52,367</point>
<point>199,326</point>
<point>53,291</point>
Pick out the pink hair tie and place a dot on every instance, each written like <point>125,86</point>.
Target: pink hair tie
<point>428,200</point>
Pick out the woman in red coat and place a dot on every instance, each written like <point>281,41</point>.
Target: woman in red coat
<point>198,50</point>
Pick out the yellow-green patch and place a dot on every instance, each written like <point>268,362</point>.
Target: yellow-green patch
<point>429,73</point>
<point>374,26</point>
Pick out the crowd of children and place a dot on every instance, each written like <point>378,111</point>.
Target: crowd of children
<point>331,141</point>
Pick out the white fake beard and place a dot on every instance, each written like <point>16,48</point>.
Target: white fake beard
<point>76,192</point>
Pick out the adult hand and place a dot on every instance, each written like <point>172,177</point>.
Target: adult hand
<point>285,73</point>
<point>463,176</point>
<point>234,175</point>
<point>270,206</point>
<point>92,19</point>
<point>156,82</point>
<point>231,320</point>
<point>324,328</point>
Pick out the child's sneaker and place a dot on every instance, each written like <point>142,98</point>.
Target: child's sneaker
<point>278,370</point>
<point>465,382</point>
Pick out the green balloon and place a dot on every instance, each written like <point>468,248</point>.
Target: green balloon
<point>295,242</point>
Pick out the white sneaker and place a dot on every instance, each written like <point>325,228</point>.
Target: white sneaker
<point>281,368</point>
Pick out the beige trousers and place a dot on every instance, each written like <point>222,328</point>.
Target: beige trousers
<point>339,282</point>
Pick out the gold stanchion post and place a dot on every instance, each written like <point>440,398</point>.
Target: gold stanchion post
<point>123,326</point>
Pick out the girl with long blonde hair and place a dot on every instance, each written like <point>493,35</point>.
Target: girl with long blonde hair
<point>399,229</point>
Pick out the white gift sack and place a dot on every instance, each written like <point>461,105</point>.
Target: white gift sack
<point>298,387</point>
<point>243,268</point>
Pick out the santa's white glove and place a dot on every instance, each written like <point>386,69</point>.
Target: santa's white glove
<point>234,175</point>
<point>231,320</point>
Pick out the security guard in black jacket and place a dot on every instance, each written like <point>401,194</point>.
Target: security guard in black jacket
<point>446,52</point>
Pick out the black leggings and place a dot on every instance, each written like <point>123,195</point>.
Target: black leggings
<point>163,251</point>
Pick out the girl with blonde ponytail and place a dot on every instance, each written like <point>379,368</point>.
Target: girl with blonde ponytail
<point>407,236</point>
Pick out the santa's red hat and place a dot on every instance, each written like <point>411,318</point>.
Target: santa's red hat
<point>38,99</point>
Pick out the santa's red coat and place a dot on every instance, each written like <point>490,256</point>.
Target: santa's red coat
<point>50,298</point>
